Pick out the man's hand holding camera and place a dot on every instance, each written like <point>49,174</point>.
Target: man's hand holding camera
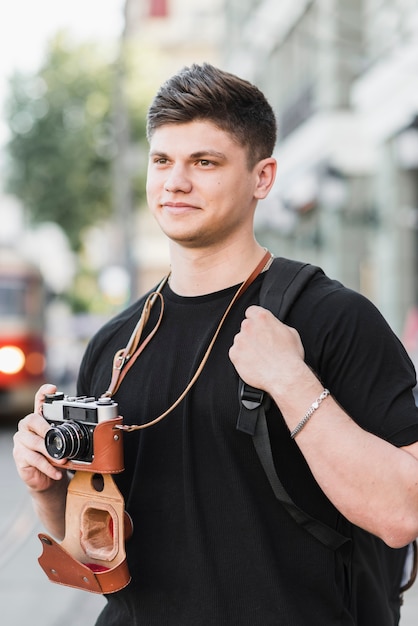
<point>46,482</point>
<point>32,460</point>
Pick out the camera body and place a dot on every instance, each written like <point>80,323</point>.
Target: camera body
<point>73,423</point>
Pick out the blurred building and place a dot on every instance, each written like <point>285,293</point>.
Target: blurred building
<point>341,75</point>
<point>179,32</point>
<point>162,36</point>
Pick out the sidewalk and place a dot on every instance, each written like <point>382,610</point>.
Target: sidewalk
<point>409,611</point>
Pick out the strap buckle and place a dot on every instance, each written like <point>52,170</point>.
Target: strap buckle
<point>251,397</point>
<point>251,401</point>
<point>119,361</point>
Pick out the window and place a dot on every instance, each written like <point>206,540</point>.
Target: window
<point>158,8</point>
<point>12,299</point>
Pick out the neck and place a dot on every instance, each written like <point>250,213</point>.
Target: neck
<point>195,273</point>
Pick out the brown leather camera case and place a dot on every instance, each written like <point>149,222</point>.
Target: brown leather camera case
<point>92,555</point>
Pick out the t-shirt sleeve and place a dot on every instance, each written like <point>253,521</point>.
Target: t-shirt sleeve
<point>358,357</point>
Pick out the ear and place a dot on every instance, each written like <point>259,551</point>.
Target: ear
<point>266,174</point>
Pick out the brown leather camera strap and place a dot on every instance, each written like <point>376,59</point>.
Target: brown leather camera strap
<point>124,359</point>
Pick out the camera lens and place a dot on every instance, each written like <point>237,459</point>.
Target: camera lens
<point>69,440</point>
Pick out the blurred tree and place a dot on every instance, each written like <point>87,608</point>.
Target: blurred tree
<point>62,140</point>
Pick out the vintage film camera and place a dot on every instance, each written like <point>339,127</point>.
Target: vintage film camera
<point>73,421</point>
<point>86,433</point>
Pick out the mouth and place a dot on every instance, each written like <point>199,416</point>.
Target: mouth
<point>178,208</point>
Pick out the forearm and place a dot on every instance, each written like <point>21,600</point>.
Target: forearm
<point>49,506</point>
<point>370,481</point>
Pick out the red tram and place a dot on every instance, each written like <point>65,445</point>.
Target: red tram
<point>22,344</point>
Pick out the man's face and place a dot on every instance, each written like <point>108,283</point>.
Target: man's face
<point>199,187</point>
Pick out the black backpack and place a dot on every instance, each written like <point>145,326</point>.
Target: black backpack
<point>282,285</point>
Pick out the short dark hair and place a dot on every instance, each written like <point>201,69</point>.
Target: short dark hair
<point>204,92</point>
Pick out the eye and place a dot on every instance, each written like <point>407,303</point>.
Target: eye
<point>206,162</point>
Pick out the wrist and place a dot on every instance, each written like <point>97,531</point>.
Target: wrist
<point>297,383</point>
<point>309,413</point>
<point>297,398</point>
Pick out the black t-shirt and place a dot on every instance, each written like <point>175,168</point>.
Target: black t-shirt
<point>211,545</point>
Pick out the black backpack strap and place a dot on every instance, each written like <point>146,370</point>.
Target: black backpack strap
<point>282,285</point>
<point>325,534</point>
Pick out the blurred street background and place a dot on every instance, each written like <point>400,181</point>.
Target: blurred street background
<point>76,241</point>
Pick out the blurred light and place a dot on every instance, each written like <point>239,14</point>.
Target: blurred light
<point>35,363</point>
<point>114,283</point>
<point>12,360</point>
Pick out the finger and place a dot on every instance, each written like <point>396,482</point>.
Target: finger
<point>40,396</point>
<point>255,311</point>
<point>31,435</point>
<point>31,463</point>
<point>37,465</point>
<point>34,423</point>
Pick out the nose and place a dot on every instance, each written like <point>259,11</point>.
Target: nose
<point>177,180</point>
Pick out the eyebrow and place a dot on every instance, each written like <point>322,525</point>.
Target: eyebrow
<point>200,154</point>
<point>205,153</point>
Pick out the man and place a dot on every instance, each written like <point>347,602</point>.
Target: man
<point>211,544</point>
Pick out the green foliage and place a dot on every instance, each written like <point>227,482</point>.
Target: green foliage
<point>62,138</point>
<point>86,297</point>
